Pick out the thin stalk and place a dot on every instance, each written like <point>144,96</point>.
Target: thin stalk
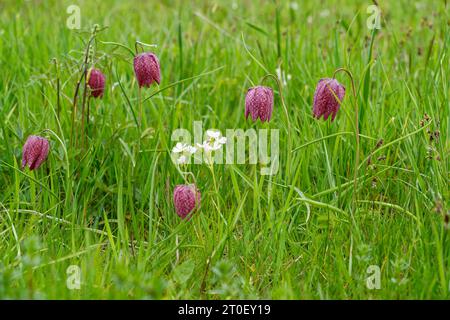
<point>216,189</point>
<point>210,163</point>
<point>185,175</point>
<point>77,87</point>
<point>58,89</point>
<point>277,25</point>
<point>74,111</point>
<point>83,107</point>
<point>357,140</point>
<point>136,49</point>
<point>137,147</point>
<point>119,45</point>
<point>286,113</point>
<point>87,116</point>
<point>140,109</point>
<point>142,44</point>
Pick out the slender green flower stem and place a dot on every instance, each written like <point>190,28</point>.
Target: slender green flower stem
<point>216,189</point>
<point>58,88</point>
<point>87,117</point>
<point>68,190</point>
<point>186,174</point>
<point>288,122</point>
<point>142,44</point>
<point>119,45</point>
<point>77,88</point>
<point>139,128</point>
<point>136,49</point>
<point>355,177</point>
<point>83,108</point>
<point>140,116</point>
<point>141,111</point>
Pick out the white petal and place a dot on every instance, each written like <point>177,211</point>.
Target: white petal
<point>207,148</point>
<point>222,140</point>
<point>179,147</point>
<point>216,146</point>
<point>213,133</point>
<point>204,145</point>
<point>191,149</point>
<point>182,160</point>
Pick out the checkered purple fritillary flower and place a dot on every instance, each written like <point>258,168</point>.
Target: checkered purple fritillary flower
<point>34,152</point>
<point>325,102</point>
<point>186,198</point>
<point>147,69</point>
<point>96,83</point>
<point>259,103</point>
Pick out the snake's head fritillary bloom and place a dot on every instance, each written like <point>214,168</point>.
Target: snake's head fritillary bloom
<point>147,69</point>
<point>186,198</point>
<point>325,102</point>
<point>96,83</point>
<point>259,103</point>
<point>35,152</point>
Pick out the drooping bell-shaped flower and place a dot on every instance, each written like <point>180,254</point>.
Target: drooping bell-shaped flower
<point>259,103</point>
<point>35,152</point>
<point>147,69</point>
<point>325,102</point>
<point>186,198</point>
<point>96,82</point>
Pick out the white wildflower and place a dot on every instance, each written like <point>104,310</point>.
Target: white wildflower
<point>179,147</point>
<point>215,134</point>
<point>191,149</point>
<point>182,160</point>
<point>222,140</point>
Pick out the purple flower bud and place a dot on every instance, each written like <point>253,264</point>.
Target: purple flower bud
<point>34,152</point>
<point>259,103</point>
<point>96,83</point>
<point>147,69</point>
<point>186,198</point>
<point>325,102</point>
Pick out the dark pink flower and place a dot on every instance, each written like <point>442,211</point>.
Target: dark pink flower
<point>186,198</point>
<point>35,152</point>
<point>259,103</point>
<point>325,102</point>
<point>96,83</point>
<point>147,69</point>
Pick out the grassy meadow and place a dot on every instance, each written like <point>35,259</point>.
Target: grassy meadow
<point>101,206</point>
